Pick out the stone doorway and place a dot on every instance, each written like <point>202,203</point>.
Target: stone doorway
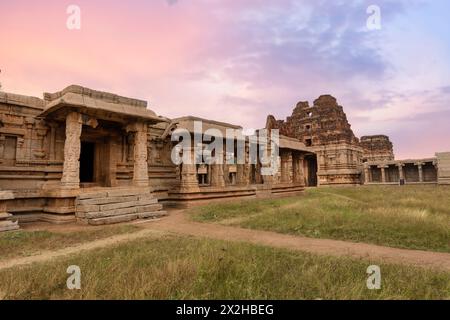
<point>87,162</point>
<point>97,163</point>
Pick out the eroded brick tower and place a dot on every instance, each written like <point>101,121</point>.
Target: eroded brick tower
<point>325,128</point>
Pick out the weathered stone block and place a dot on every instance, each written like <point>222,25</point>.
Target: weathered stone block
<point>119,205</point>
<point>101,201</point>
<point>148,215</point>
<point>92,195</point>
<point>87,208</point>
<point>110,213</point>
<point>8,225</point>
<point>150,208</point>
<point>112,220</point>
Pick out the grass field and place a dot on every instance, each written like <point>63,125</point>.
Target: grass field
<point>170,267</point>
<point>413,217</point>
<point>25,243</point>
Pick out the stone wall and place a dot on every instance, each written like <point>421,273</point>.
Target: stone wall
<point>443,160</point>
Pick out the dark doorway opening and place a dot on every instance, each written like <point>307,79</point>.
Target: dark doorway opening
<point>311,170</point>
<point>87,157</point>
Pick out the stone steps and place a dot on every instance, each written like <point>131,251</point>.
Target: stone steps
<point>117,205</point>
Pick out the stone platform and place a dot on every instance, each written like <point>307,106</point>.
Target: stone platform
<point>207,195</point>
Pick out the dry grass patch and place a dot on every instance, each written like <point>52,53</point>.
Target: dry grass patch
<point>169,267</point>
<point>412,217</point>
<point>25,243</point>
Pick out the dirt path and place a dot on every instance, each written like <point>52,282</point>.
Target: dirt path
<point>178,223</point>
<point>97,244</point>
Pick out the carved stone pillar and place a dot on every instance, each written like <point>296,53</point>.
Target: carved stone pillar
<point>140,155</point>
<point>189,181</point>
<point>286,167</point>
<point>72,147</point>
<point>299,174</point>
<point>217,177</point>
<point>244,169</point>
<point>366,174</point>
<point>290,167</point>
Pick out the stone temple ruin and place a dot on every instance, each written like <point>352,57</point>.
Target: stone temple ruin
<point>92,157</point>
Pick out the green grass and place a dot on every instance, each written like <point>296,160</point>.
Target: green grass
<point>169,267</point>
<point>25,243</point>
<point>413,217</point>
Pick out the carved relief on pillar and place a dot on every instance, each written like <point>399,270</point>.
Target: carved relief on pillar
<point>40,150</point>
<point>140,155</point>
<point>72,148</point>
<point>28,138</point>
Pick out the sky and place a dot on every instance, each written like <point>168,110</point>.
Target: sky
<point>238,61</point>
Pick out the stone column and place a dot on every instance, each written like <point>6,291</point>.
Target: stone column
<point>290,167</point>
<point>366,174</point>
<point>401,174</point>
<point>140,172</point>
<point>299,170</point>
<point>420,168</point>
<point>284,167</point>
<point>189,181</point>
<point>383,174</point>
<point>217,176</point>
<point>72,147</point>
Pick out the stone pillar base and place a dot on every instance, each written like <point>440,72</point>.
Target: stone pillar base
<point>5,223</point>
